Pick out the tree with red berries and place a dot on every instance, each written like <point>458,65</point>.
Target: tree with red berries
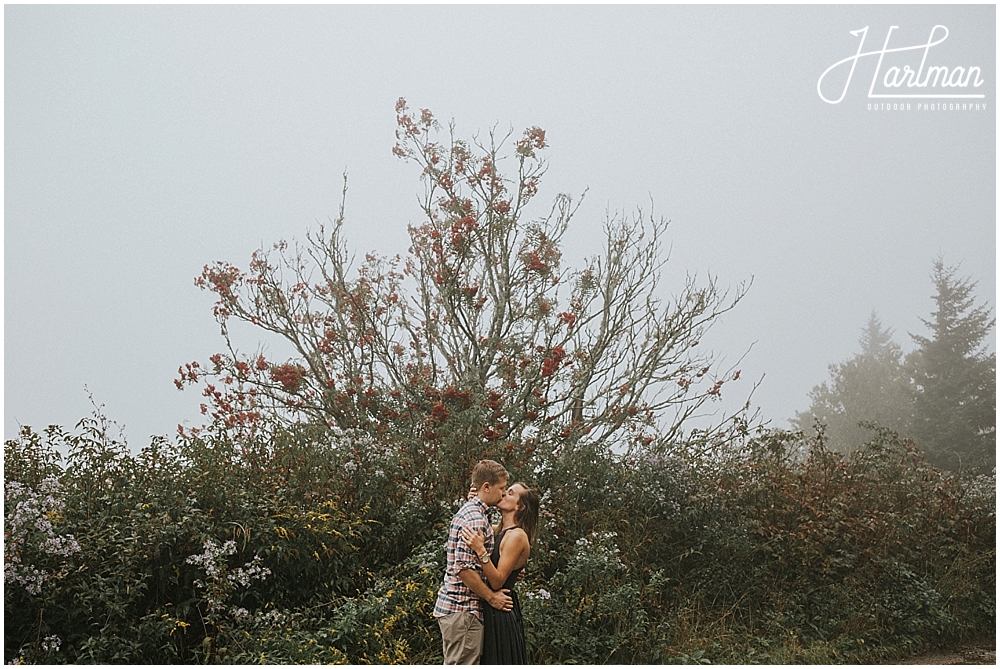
<point>479,342</point>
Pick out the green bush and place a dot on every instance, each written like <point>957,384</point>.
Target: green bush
<point>307,545</point>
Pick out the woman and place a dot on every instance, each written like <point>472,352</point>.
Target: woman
<point>503,631</point>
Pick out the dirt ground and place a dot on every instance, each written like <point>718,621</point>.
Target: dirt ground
<point>983,651</point>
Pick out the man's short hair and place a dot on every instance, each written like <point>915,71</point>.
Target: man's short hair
<point>488,471</point>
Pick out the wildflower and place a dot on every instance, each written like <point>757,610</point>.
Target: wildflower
<point>249,572</point>
<point>28,516</point>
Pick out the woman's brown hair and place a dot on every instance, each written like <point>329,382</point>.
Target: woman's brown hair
<point>526,515</point>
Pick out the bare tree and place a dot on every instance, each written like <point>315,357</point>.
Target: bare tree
<point>478,342</point>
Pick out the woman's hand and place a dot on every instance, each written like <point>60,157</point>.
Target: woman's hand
<point>472,492</point>
<point>475,540</point>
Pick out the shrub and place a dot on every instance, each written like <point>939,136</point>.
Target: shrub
<point>309,545</point>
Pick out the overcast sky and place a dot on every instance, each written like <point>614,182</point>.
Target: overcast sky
<point>143,142</point>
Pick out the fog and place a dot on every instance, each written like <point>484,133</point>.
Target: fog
<point>143,142</point>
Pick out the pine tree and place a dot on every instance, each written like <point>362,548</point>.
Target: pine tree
<point>955,407</point>
<point>870,387</point>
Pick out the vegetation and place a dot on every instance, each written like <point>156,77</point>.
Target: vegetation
<point>478,343</point>
<point>955,406</point>
<point>872,387</point>
<point>305,522</point>
<point>278,552</point>
<point>943,394</point>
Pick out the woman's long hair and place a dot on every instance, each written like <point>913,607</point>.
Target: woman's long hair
<point>526,515</point>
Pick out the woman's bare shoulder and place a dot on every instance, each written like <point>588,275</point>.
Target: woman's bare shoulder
<point>515,535</point>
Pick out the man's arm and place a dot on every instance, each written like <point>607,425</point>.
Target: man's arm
<point>497,599</point>
<point>462,556</point>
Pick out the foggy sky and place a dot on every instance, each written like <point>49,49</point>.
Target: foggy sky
<point>142,143</point>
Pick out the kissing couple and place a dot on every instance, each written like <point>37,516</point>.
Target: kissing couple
<point>477,607</point>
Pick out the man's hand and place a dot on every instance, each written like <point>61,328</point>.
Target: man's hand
<point>498,600</point>
<point>501,601</point>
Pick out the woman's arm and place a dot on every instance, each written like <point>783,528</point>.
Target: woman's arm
<point>514,551</point>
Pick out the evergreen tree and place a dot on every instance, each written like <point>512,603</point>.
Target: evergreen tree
<point>955,407</point>
<point>870,387</point>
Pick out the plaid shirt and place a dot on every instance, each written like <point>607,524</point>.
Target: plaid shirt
<point>454,596</point>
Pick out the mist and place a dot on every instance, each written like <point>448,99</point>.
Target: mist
<point>144,142</point>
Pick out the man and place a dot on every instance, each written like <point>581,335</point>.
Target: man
<point>460,600</point>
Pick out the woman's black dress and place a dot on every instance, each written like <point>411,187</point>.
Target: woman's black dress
<point>503,631</point>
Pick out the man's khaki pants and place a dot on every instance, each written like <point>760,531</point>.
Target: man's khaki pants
<point>462,634</point>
